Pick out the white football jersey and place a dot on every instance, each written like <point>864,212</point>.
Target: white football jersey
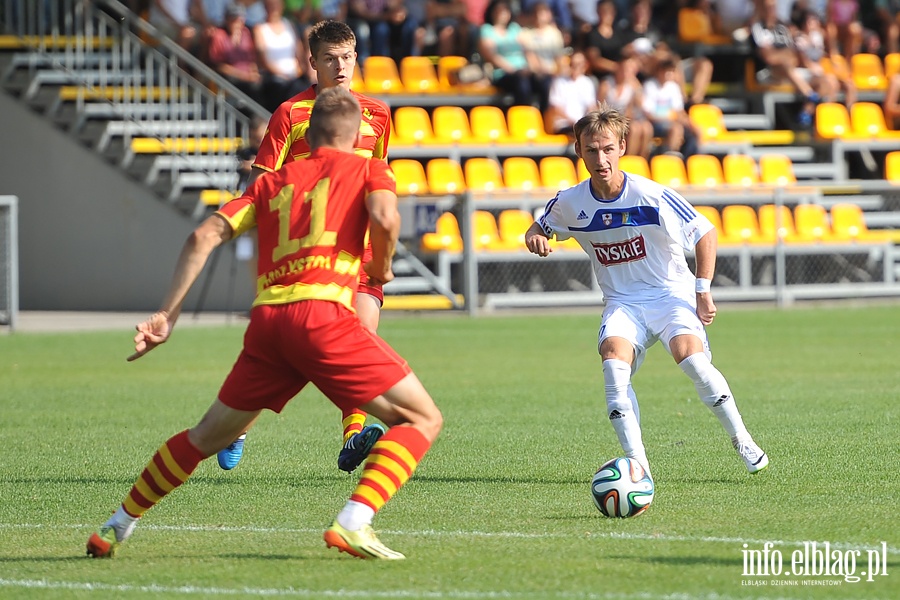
<point>636,241</point>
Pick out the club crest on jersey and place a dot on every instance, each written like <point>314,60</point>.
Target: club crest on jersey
<point>367,114</point>
<point>607,219</point>
<point>616,253</point>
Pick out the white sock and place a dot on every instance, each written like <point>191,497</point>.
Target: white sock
<point>354,515</point>
<point>634,403</point>
<point>620,405</point>
<point>715,393</point>
<point>123,523</point>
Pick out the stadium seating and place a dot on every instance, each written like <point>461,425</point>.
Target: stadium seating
<point>583,173</point>
<point>849,223</point>
<point>891,65</point>
<point>413,126</point>
<point>892,166</point>
<point>513,223</point>
<point>711,213</point>
<point>739,222</point>
<point>710,123</point>
<point>740,170</point>
<point>833,121</point>
<point>483,175</point>
<point>867,120</point>
<point>694,27</point>
<point>668,170</point>
<point>558,172</point>
<point>777,223</point>
<point>521,173</point>
<point>445,176</point>
<point>811,221</point>
<point>418,75</point>
<point>486,235</point>
<point>776,169</point>
<point>705,170</point>
<point>526,125</point>
<point>451,125</point>
<point>381,75</point>
<point>488,124</point>
<point>411,178</point>
<point>867,71</point>
<point>446,236</point>
<point>634,164</point>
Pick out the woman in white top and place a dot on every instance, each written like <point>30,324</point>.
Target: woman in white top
<point>280,53</point>
<point>624,92</point>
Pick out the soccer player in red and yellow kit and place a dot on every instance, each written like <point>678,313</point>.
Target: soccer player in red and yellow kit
<point>333,56</point>
<point>312,219</point>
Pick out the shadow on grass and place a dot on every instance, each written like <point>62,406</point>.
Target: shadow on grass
<point>735,563</point>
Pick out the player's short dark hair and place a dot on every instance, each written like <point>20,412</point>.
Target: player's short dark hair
<point>330,33</point>
<point>335,117</point>
<point>604,118</point>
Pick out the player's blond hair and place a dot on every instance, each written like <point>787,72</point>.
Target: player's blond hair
<point>605,118</point>
<point>335,118</point>
<point>330,33</point>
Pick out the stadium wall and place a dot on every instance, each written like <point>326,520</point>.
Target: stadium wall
<point>90,238</point>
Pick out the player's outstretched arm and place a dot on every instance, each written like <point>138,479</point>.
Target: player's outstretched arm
<point>208,236</point>
<point>705,252</point>
<point>537,241</point>
<point>384,231</point>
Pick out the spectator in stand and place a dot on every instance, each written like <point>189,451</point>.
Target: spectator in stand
<point>584,18</point>
<point>882,17</point>
<point>572,95</point>
<point>256,12</point>
<point>502,48</point>
<point>664,106</point>
<point>562,15</point>
<point>232,53</point>
<point>604,42</point>
<point>174,18</point>
<point>810,41</point>
<point>777,59</point>
<point>378,23</point>
<point>281,55</point>
<point>845,32</point>
<point>447,27</point>
<point>625,93</point>
<point>543,41</point>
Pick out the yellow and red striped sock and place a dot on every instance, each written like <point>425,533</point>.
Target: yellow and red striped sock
<point>171,466</point>
<point>390,464</point>
<point>353,420</point>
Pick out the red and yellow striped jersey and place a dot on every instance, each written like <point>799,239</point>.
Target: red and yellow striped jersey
<point>285,139</point>
<point>312,219</point>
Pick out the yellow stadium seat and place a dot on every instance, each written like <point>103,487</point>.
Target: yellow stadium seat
<point>411,178</point>
<point>634,164</point>
<point>867,121</point>
<point>891,65</point>
<point>488,124</point>
<point>357,83</point>
<point>811,221</point>
<point>832,121</point>
<point>526,125</point>
<point>694,26</point>
<point>739,222</point>
<point>771,229</point>
<point>710,123</point>
<point>445,176</point>
<point>668,170</point>
<point>848,223</point>
<point>558,172</point>
<point>582,171</point>
<point>740,169</point>
<point>776,169</point>
<point>569,244</point>
<point>483,175</point>
<point>705,170</point>
<point>487,236</point>
<point>521,173</point>
<point>445,237</point>
<point>836,65</point>
<point>413,125</point>
<point>513,223</point>
<point>867,71</point>
<point>213,197</point>
<point>418,75</point>
<point>381,75</point>
<point>451,125</point>
<point>892,166</point>
<point>447,68</point>
<point>712,214</point>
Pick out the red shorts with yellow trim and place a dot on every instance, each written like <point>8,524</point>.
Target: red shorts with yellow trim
<point>287,346</point>
<point>364,288</point>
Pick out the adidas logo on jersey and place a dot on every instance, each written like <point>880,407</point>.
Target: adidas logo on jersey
<point>582,216</point>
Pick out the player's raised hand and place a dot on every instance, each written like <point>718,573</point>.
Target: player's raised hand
<point>536,241</point>
<point>150,334</point>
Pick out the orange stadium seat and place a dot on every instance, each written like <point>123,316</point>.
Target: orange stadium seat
<point>811,221</point>
<point>521,173</point>
<point>739,222</point>
<point>483,175</point>
<point>513,223</point>
<point>892,166</point>
<point>705,170</point>
<point>710,123</point>
<point>526,125</point>
<point>867,120</point>
<point>770,227</point>
<point>867,71</point>
<point>832,120</point>
<point>445,176</point>
<point>711,213</point>
<point>445,237</point>
<point>558,172</point>
<point>418,75</point>
<point>694,26</point>
<point>413,125</point>
<point>776,169</point>
<point>634,164</point>
<point>488,124</point>
<point>740,169</point>
<point>357,84</point>
<point>891,65</point>
<point>487,236</point>
<point>451,125</point>
<point>849,223</point>
<point>668,170</point>
<point>381,76</point>
<point>411,178</point>
<point>836,65</point>
<point>582,171</point>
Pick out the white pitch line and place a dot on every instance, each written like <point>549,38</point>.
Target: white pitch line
<point>483,534</point>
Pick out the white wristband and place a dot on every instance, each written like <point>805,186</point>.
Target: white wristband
<point>703,285</point>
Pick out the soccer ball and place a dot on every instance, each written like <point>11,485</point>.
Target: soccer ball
<point>622,488</point>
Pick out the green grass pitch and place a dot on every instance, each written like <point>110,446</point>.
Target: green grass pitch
<point>500,508</point>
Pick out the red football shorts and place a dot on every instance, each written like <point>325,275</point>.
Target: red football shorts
<point>364,287</point>
<point>287,346</point>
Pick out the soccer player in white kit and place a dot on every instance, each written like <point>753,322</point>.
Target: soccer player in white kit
<point>636,232</point>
